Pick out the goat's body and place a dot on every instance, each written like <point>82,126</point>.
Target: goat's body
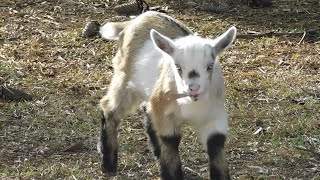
<point>147,63</point>
<point>137,57</point>
<point>142,73</point>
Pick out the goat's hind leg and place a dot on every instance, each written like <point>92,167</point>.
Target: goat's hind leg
<point>119,100</point>
<point>108,143</point>
<point>153,139</point>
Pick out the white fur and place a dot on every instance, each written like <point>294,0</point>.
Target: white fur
<point>146,69</point>
<point>155,68</point>
<point>149,59</point>
<point>207,115</point>
<point>109,32</point>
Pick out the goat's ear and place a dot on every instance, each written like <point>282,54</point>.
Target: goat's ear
<point>162,42</point>
<point>225,40</point>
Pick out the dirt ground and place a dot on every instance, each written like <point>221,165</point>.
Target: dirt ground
<point>273,92</point>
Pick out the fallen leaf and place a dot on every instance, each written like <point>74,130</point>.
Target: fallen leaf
<point>258,169</point>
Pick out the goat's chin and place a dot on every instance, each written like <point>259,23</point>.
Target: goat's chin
<point>199,97</point>
<point>196,97</point>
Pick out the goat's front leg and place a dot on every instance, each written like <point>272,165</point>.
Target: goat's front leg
<point>218,165</point>
<point>165,138</point>
<point>170,163</point>
<point>213,135</point>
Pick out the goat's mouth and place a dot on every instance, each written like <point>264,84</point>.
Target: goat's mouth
<point>194,97</point>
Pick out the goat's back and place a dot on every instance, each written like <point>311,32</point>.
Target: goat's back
<point>137,34</point>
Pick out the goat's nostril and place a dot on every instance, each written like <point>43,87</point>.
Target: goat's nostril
<point>194,87</point>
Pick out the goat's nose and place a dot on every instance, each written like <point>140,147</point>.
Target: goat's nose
<point>194,87</point>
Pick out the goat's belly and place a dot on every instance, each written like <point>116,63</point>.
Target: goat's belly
<point>146,69</point>
<point>144,81</point>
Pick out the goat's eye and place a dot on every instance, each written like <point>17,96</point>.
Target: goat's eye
<point>178,67</point>
<point>210,66</point>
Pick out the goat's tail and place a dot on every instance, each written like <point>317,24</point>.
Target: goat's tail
<point>112,30</point>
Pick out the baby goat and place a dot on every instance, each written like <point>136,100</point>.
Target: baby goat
<point>178,77</point>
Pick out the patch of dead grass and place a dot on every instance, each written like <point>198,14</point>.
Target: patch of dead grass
<point>268,80</point>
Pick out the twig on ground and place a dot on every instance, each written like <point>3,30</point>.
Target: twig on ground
<point>191,170</point>
<point>317,95</point>
<point>272,33</point>
<point>74,177</point>
<point>304,35</point>
<point>308,150</point>
<point>75,147</point>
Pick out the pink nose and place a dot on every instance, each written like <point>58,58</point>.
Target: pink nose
<point>194,88</point>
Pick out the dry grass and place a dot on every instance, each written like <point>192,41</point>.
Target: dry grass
<point>273,89</point>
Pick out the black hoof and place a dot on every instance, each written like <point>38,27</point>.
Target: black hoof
<point>108,169</point>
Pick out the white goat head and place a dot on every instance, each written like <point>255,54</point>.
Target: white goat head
<point>196,59</point>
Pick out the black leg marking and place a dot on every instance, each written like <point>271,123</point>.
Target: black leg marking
<point>153,139</point>
<point>167,174</point>
<point>170,164</point>
<point>171,141</point>
<point>215,144</point>
<point>217,162</point>
<point>109,156</point>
